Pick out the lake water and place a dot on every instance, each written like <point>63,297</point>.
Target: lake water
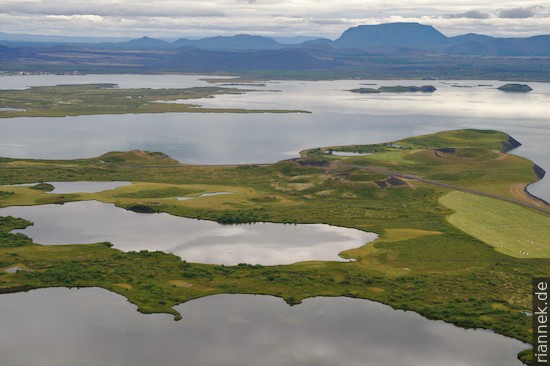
<point>338,117</point>
<point>94,327</point>
<point>193,240</point>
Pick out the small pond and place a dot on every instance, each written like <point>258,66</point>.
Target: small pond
<point>193,240</point>
<point>346,153</point>
<point>78,187</point>
<point>85,187</point>
<point>204,195</point>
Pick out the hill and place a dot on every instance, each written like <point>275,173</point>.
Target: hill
<point>238,42</point>
<point>411,35</point>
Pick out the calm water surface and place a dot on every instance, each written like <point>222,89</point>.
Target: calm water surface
<point>193,240</point>
<point>94,327</point>
<point>85,187</point>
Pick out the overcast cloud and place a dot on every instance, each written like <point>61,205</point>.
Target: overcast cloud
<point>183,18</point>
<point>472,14</point>
<point>521,13</point>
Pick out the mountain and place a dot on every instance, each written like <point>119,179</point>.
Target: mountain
<point>238,42</point>
<point>532,46</point>
<point>395,50</point>
<point>319,42</point>
<point>470,37</point>
<point>410,35</point>
<point>387,37</point>
<point>402,39</point>
<point>294,40</point>
<point>144,43</point>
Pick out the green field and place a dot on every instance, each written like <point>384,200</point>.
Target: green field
<point>421,261</point>
<point>512,230</point>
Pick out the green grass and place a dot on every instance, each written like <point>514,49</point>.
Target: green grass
<point>486,139</point>
<point>510,229</point>
<point>471,159</point>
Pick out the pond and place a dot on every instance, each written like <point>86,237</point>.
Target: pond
<point>193,240</point>
<point>204,195</point>
<point>62,327</point>
<point>85,187</point>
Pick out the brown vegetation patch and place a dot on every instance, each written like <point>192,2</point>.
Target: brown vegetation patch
<point>519,192</point>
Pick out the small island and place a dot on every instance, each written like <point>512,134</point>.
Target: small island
<point>396,89</point>
<point>515,88</point>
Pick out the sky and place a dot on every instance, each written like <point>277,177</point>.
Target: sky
<point>172,19</point>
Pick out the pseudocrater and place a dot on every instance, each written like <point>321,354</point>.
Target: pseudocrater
<point>193,240</point>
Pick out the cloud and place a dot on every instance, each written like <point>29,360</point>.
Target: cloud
<point>472,14</point>
<point>328,21</point>
<point>520,13</point>
<point>111,10</point>
<point>323,18</point>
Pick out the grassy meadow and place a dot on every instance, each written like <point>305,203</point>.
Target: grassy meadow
<point>510,229</point>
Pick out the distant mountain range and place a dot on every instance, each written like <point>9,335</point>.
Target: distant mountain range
<point>386,37</point>
<point>384,50</point>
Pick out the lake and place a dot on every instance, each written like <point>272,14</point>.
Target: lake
<point>62,327</point>
<point>338,117</point>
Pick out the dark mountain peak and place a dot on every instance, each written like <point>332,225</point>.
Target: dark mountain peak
<point>237,42</point>
<point>393,35</point>
<point>319,42</point>
<point>541,38</point>
<point>144,43</point>
<point>470,37</point>
<point>146,39</point>
<point>249,36</point>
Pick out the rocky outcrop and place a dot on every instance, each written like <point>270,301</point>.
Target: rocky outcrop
<point>510,145</point>
<point>516,88</point>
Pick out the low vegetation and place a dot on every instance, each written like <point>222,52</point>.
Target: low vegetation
<point>422,260</point>
<point>87,99</point>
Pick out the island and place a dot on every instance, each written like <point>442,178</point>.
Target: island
<point>105,98</point>
<point>422,195</point>
<point>515,88</point>
<point>396,89</point>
